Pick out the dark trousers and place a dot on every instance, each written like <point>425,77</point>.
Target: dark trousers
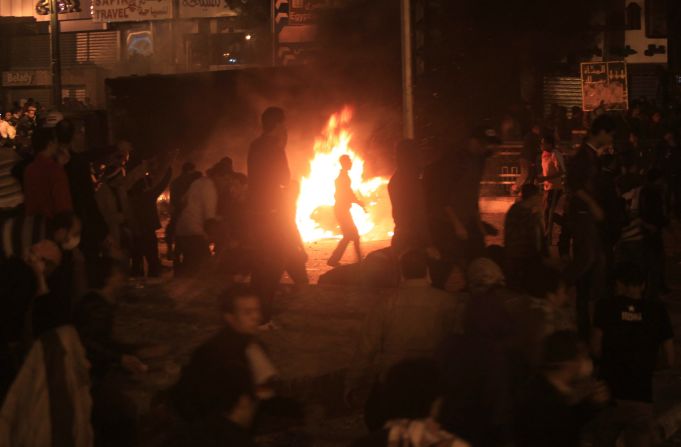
<point>588,269</point>
<point>145,246</point>
<point>656,263</point>
<point>270,259</point>
<point>550,204</point>
<point>350,234</point>
<point>191,254</point>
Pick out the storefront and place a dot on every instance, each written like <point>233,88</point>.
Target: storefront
<point>82,85</point>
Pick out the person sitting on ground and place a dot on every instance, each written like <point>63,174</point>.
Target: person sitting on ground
<point>523,235</point>
<point>411,399</point>
<point>221,409</point>
<point>411,323</point>
<point>546,309</point>
<point>18,286</point>
<point>64,230</point>
<point>555,405</point>
<point>477,398</point>
<point>113,413</point>
<point>48,402</point>
<point>236,343</point>
<point>46,186</point>
<point>628,334</point>
<point>11,194</point>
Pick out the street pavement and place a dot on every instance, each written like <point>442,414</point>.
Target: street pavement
<point>314,346</point>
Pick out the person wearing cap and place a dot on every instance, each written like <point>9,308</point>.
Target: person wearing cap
<point>46,186</point>
<point>198,218</point>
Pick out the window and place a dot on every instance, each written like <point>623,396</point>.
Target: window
<point>656,18</point>
<point>633,16</point>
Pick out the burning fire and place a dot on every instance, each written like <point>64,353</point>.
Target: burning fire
<point>317,189</point>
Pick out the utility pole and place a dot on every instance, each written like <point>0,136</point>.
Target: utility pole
<point>273,30</point>
<point>407,73</point>
<point>55,54</point>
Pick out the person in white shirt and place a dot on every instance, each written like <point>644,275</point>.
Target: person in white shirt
<point>553,172</point>
<point>197,219</point>
<point>7,131</point>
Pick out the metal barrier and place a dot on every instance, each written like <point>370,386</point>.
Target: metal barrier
<point>503,168</point>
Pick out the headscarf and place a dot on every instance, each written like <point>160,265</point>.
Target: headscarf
<point>483,275</point>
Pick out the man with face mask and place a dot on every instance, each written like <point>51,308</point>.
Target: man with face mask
<point>554,406</point>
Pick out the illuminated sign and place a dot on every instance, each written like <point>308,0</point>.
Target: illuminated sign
<point>42,8</point>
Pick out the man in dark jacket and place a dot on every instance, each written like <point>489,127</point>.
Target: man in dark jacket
<point>408,200</point>
<point>586,213</point>
<point>269,178</point>
<point>79,173</point>
<point>235,344</point>
<point>143,198</point>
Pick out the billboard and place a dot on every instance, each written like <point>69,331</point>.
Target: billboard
<point>131,10</point>
<point>205,8</point>
<point>604,85</point>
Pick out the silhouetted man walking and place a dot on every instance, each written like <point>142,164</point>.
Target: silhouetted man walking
<point>345,197</point>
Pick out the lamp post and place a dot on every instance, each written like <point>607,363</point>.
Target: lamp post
<point>55,54</point>
<point>273,31</point>
<point>407,74</point>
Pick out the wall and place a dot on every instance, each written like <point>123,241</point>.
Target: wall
<point>638,41</point>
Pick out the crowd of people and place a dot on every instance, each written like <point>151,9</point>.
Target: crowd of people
<point>539,342</point>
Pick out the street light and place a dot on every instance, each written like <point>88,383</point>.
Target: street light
<point>55,54</point>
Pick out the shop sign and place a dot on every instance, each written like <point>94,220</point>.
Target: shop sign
<point>131,10</point>
<point>26,78</point>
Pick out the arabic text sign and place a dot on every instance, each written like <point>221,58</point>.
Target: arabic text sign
<point>304,12</point>
<point>205,8</point>
<point>604,84</point>
<point>131,10</point>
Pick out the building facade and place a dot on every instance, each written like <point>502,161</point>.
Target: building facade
<point>112,38</point>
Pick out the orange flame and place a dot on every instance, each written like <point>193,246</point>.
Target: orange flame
<point>318,187</point>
